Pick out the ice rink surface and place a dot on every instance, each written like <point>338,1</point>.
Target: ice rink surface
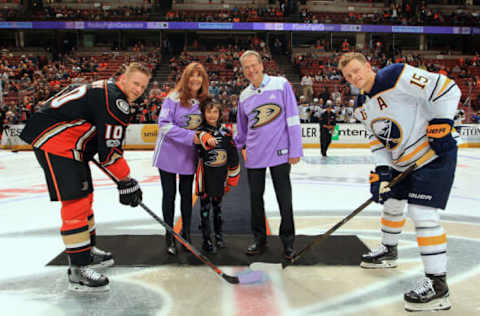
<point>324,191</point>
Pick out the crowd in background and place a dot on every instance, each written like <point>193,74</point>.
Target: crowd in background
<point>36,79</point>
<point>407,13</point>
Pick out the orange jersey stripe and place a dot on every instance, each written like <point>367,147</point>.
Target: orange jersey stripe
<point>393,224</point>
<point>413,153</point>
<point>64,142</point>
<point>77,251</point>
<point>432,241</point>
<point>374,142</point>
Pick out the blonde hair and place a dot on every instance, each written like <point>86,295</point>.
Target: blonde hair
<point>182,86</point>
<point>348,57</point>
<point>132,67</point>
<point>248,53</point>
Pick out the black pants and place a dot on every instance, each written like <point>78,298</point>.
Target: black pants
<point>325,140</point>
<point>283,191</point>
<point>169,188</point>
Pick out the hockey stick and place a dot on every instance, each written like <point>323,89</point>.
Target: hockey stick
<point>397,179</point>
<point>245,278</point>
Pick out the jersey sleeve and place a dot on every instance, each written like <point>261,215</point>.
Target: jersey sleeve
<point>111,117</point>
<point>439,94</point>
<point>294,128</point>
<point>167,126</point>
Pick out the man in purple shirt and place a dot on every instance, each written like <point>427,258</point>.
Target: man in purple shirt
<point>269,126</point>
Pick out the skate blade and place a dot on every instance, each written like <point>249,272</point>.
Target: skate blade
<point>435,305</point>
<point>386,264</point>
<point>78,288</point>
<point>102,265</point>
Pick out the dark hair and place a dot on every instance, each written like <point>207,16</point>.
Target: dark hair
<point>209,103</point>
<point>182,85</point>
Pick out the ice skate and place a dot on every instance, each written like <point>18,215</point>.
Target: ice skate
<point>85,279</point>
<point>430,294</point>
<point>100,258</point>
<point>382,257</point>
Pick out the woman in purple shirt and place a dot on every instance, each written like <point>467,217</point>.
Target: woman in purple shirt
<point>175,147</point>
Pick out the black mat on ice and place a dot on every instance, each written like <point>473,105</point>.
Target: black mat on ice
<point>235,207</point>
<point>149,250</point>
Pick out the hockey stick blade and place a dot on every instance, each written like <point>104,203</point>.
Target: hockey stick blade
<point>246,278</point>
<point>428,155</point>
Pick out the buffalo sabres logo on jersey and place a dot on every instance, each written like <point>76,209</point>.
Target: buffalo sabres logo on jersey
<point>265,114</point>
<point>216,158</point>
<point>387,131</point>
<point>192,121</point>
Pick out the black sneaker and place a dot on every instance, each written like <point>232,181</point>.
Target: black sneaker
<point>256,248</point>
<point>100,258</point>
<point>208,246</point>
<point>289,252</point>
<point>170,244</point>
<point>430,294</point>
<point>382,257</point>
<point>219,241</point>
<point>85,279</point>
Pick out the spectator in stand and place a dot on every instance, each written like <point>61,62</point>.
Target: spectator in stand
<point>307,84</point>
<point>476,117</point>
<point>155,92</point>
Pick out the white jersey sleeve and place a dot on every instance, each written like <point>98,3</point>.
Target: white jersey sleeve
<point>438,94</point>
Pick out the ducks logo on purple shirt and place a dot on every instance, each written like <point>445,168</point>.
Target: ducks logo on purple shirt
<point>265,113</point>
<point>192,121</point>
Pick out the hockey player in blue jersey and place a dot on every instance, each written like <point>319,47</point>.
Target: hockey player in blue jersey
<point>269,126</point>
<point>409,111</point>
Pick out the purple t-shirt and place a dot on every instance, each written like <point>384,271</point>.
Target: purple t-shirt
<point>174,150</point>
<point>268,123</point>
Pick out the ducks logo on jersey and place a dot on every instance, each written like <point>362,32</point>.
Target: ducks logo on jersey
<point>265,113</point>
<point>216,158</point>
<point>192,121</point>
<point>387,131</point>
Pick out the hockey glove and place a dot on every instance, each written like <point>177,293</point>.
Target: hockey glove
<point>378,183</point>
<point>207,140</point>
<point>439,133</point>
<point>130,193</point>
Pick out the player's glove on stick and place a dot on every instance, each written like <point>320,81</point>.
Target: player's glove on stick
<point>379,179</point>
<point>130,193</point>
<point>439,133</point>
